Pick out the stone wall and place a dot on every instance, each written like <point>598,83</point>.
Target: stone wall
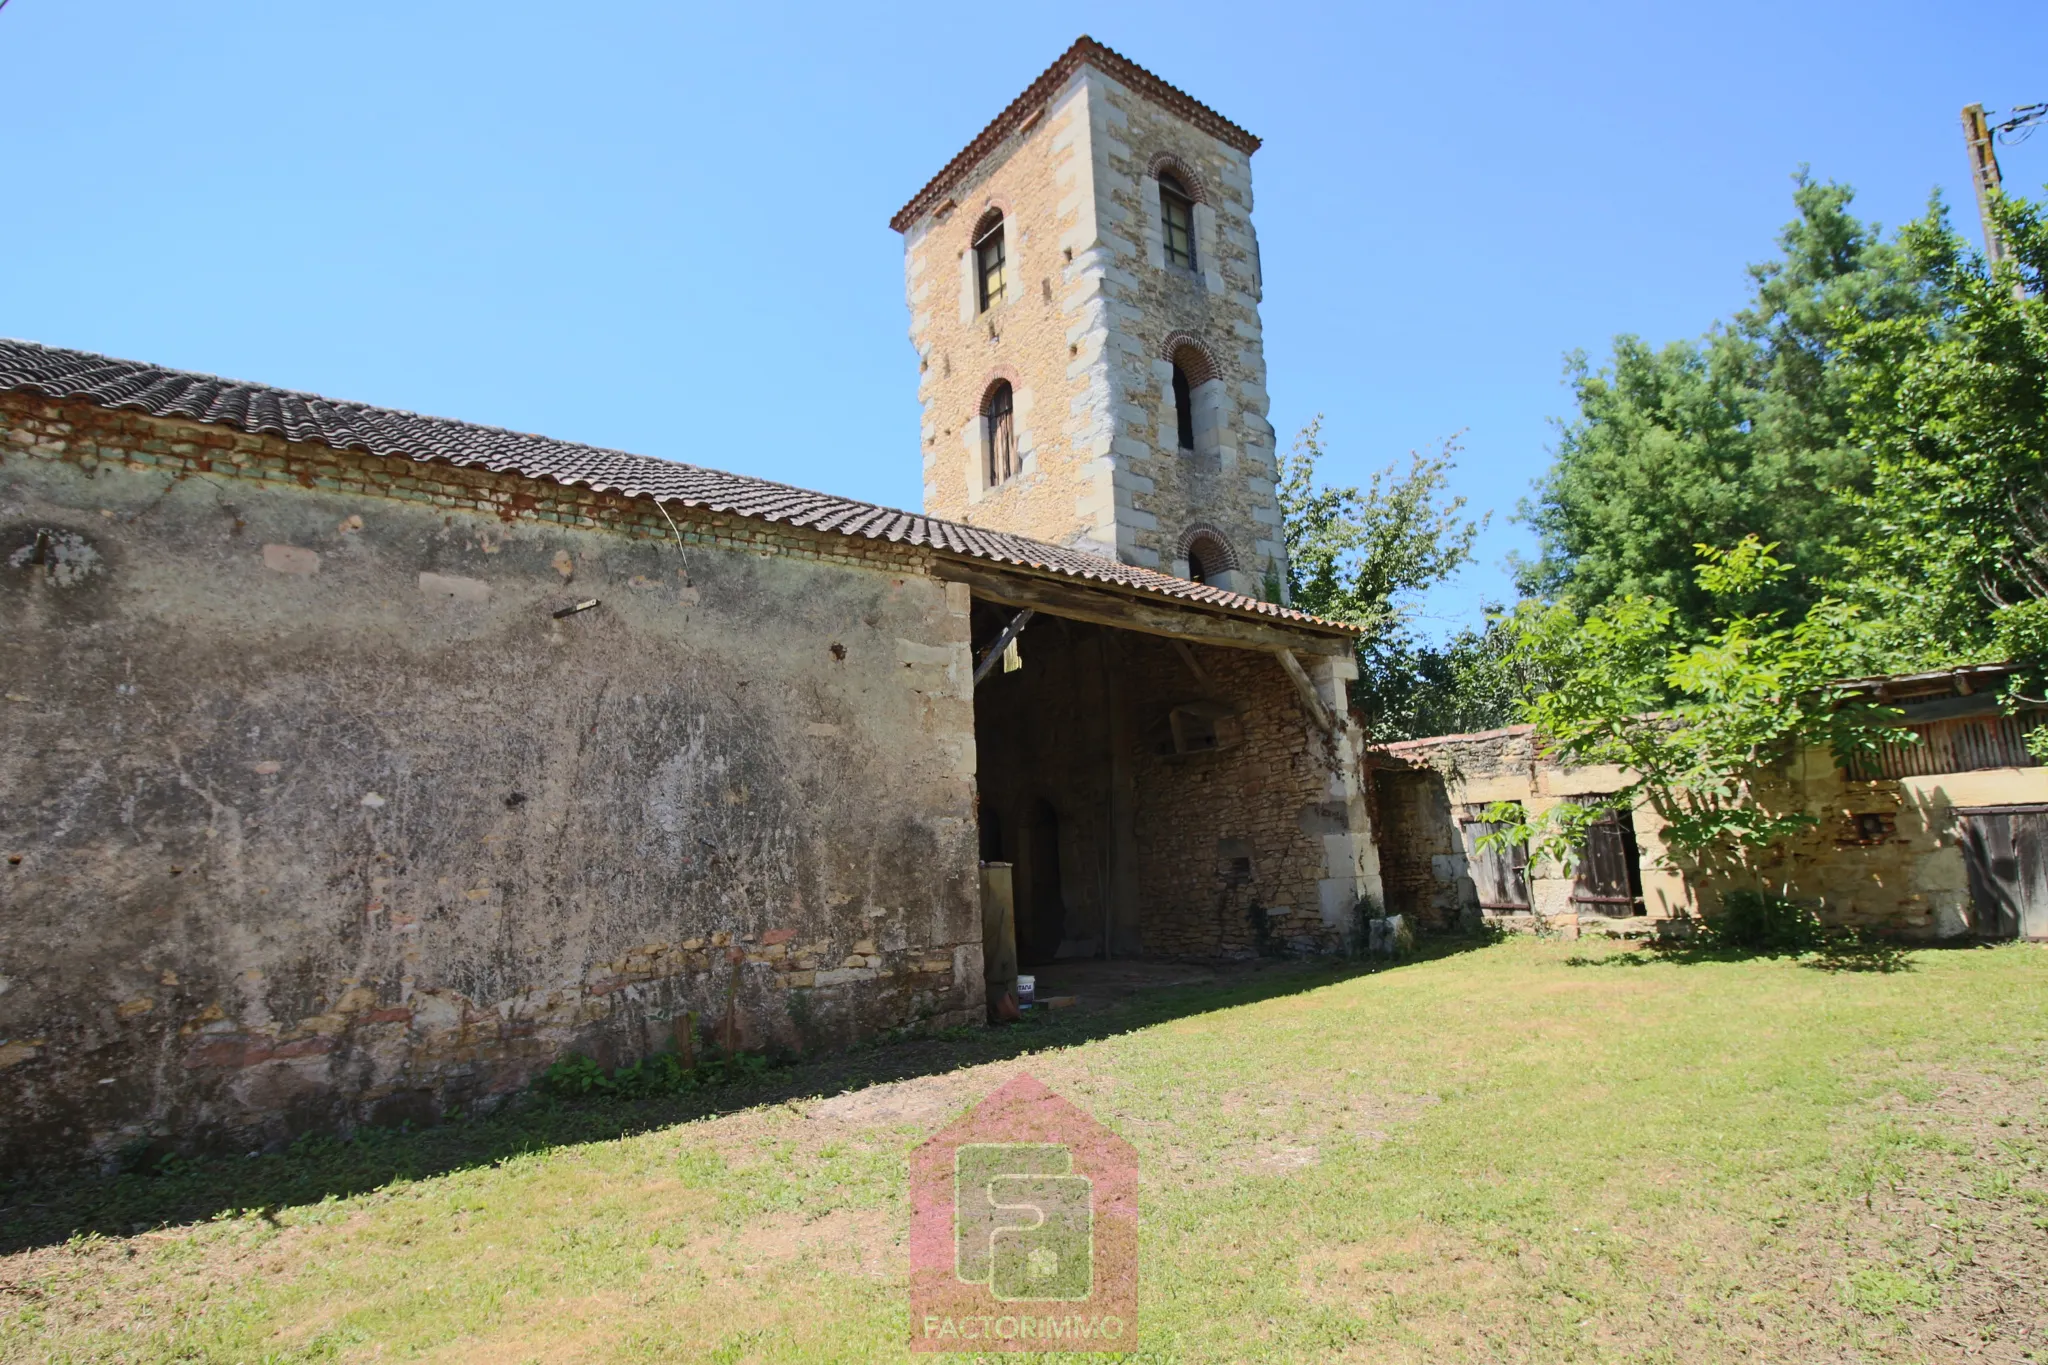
<point>1233,849</point>
<point>1907,878</point>
<point>1045,338</point>
<point>1085,337</point>
<point>1228,483</point>
<point>316,809</point>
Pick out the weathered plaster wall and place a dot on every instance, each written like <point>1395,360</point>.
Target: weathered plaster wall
<point>314,813</point>
<point>1083,338</point>
<point>1909,881</point>
<point>1911,878</point>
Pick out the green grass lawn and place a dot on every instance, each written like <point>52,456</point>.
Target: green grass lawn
<point>1529,1151</point>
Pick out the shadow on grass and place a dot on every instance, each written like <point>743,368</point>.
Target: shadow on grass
<point>38,1212</point>
<point>1851,953</point>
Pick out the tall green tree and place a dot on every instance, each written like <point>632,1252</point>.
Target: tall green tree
<point>1952,406</point>
<point>1410,687</point>
<point>1362,554</point>
<point>1747,431</point>
<point>1700,722</point>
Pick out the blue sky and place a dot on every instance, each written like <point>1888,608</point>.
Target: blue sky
<point>664,227</point>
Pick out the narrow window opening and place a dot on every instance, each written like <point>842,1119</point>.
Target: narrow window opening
<point>989,262</point>
<point>1002,434</point>
<point>1183,408</point>
<point>1177,221</point>
<point>1198,568</point>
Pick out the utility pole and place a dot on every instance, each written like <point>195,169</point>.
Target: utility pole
<point>1978,134</point>
<point>1983,175</point>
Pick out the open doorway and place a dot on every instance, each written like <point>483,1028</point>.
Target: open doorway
<point>1046,734</point>
<point>1609,879</point>
<point>1156,794</point>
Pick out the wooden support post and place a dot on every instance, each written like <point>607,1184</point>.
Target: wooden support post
<point>1317,712</point>
<point>995,651</point>
<point>1187,656</point>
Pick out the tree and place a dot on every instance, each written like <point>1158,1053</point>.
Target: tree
<point>1952,406</point>
<point>1361,555</point>
<point>1744,432</point>
<point>1356,554</point>
<point>1700,721</point>
<point>1410,688</point>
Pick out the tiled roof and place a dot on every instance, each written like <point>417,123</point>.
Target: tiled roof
<point>1085,52</point>
<point>260,410</point>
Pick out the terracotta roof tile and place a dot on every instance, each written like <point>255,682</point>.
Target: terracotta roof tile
<point>258,410</point>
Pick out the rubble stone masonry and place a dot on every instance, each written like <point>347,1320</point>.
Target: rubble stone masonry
<point>1093,314</point>
<point>1899,871</point>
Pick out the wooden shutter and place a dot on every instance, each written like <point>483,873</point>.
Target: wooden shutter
<point>2006,851</point>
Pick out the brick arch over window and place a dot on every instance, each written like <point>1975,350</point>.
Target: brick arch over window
<point>1192,356</point>
<point>1181,171</point>
<point>1000,461</point>
<point>998,377</point>
<point>995,213</point>
<point>1206,551</point>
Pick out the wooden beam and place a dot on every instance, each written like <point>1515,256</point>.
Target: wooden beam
<point>995,651</point>
<point>1187,656</point>
<point>1189,621</point>
<point>1317,712</point>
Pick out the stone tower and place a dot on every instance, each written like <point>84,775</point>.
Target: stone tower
<point>1083,283</point>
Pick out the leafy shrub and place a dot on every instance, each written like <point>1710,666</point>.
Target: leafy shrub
<point>663,1073</point>
<point>1760,922</point>
<point>574,1076</point>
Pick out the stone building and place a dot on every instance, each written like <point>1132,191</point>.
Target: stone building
<point>1943,836</point>
<point>1083,281</point>
<point>356,765</point>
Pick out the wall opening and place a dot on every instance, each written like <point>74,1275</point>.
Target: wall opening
<point>1153,797</point>
<point>1609,880</point>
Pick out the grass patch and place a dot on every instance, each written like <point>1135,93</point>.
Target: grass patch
<point>1492,1154</point>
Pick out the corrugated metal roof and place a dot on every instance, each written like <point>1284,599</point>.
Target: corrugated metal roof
<point>257,409</point>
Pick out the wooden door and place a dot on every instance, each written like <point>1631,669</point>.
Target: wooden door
<point>1610,877</point>
<point>2006,850</point>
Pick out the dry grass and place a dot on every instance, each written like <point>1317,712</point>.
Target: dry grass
<point>1511,1154</point>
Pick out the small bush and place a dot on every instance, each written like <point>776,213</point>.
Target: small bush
<point>573,1077</point>
<point>579,1077</point>
<point>1760,922</point>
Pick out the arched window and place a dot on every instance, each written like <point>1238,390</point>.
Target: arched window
<point>1209,556</point>
<point>1191,370</point>
<point>989,259</point>
<point>1176,220</point>
<point>998,417</point>
<point>1183,408</point>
